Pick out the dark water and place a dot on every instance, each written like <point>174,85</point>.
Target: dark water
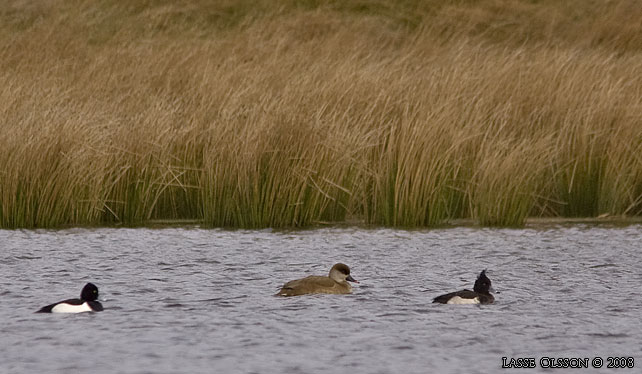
<point>200,301</point>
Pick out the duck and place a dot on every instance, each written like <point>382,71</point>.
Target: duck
<point>86,303</point>
<point>335,283</point>
<point>479,295</point>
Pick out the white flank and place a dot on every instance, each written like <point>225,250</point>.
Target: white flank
<point>459,300</point>
<point>68,308</point>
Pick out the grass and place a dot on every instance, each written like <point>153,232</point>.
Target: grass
<point>291,113</point>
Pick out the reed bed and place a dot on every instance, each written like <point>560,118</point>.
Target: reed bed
<point>294,113</point>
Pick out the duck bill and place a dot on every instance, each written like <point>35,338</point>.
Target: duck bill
<point>349,278</point>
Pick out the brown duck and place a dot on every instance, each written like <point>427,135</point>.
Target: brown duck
<point>335,283</point>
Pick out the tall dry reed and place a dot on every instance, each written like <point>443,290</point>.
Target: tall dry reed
<point>288,113</point>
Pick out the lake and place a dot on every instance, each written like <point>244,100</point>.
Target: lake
<point>193,300</point>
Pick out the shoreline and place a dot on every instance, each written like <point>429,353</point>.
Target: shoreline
<point>532,222</point>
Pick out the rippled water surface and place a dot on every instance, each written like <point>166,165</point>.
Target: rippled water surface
<point>190,300</point>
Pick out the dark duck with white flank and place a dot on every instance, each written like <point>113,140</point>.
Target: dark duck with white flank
<point>86,303</point>
<point>479,295</point>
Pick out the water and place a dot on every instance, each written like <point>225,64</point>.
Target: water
<point>189,300</point>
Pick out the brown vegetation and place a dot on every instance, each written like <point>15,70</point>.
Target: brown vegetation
<point>288,113</point>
